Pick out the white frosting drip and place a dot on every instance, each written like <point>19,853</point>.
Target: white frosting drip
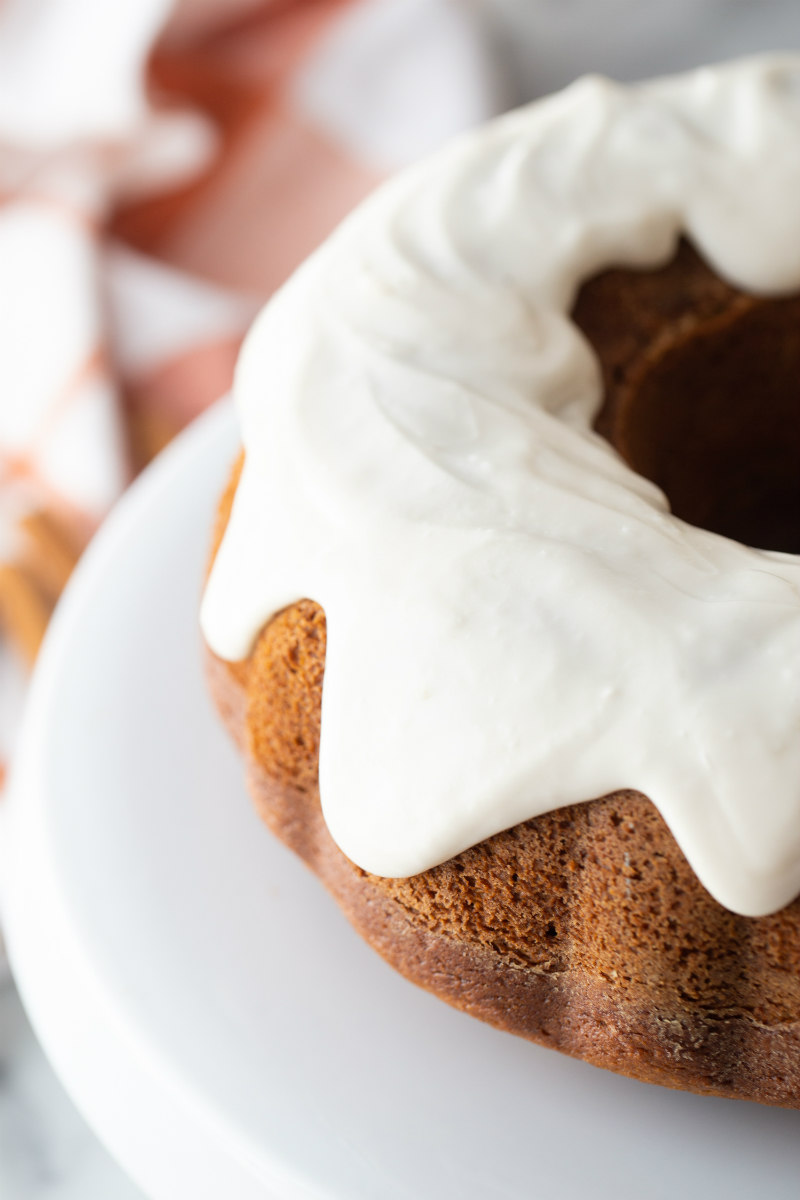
<point>515,620</point>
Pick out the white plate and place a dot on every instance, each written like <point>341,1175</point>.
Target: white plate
<point>215,1017</point>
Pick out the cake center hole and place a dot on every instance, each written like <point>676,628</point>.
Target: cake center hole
<point>708,408</point>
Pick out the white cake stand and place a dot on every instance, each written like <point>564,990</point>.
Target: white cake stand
<point>218,1022</point>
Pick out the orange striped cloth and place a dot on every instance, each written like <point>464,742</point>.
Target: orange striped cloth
<point>163,168</point>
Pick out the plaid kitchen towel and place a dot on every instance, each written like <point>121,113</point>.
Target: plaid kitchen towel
<point>163,167</point>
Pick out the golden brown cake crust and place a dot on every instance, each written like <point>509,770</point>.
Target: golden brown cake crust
<point>584,929</point>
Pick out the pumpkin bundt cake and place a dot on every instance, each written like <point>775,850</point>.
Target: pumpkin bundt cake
<point>504,605</point>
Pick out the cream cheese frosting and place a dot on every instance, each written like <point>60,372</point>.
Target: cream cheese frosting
<point>516,621</point>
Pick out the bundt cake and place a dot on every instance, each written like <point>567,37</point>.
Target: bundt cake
<point>520,480</point>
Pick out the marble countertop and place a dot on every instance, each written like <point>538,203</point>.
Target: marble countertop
<point>47,1152</point>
